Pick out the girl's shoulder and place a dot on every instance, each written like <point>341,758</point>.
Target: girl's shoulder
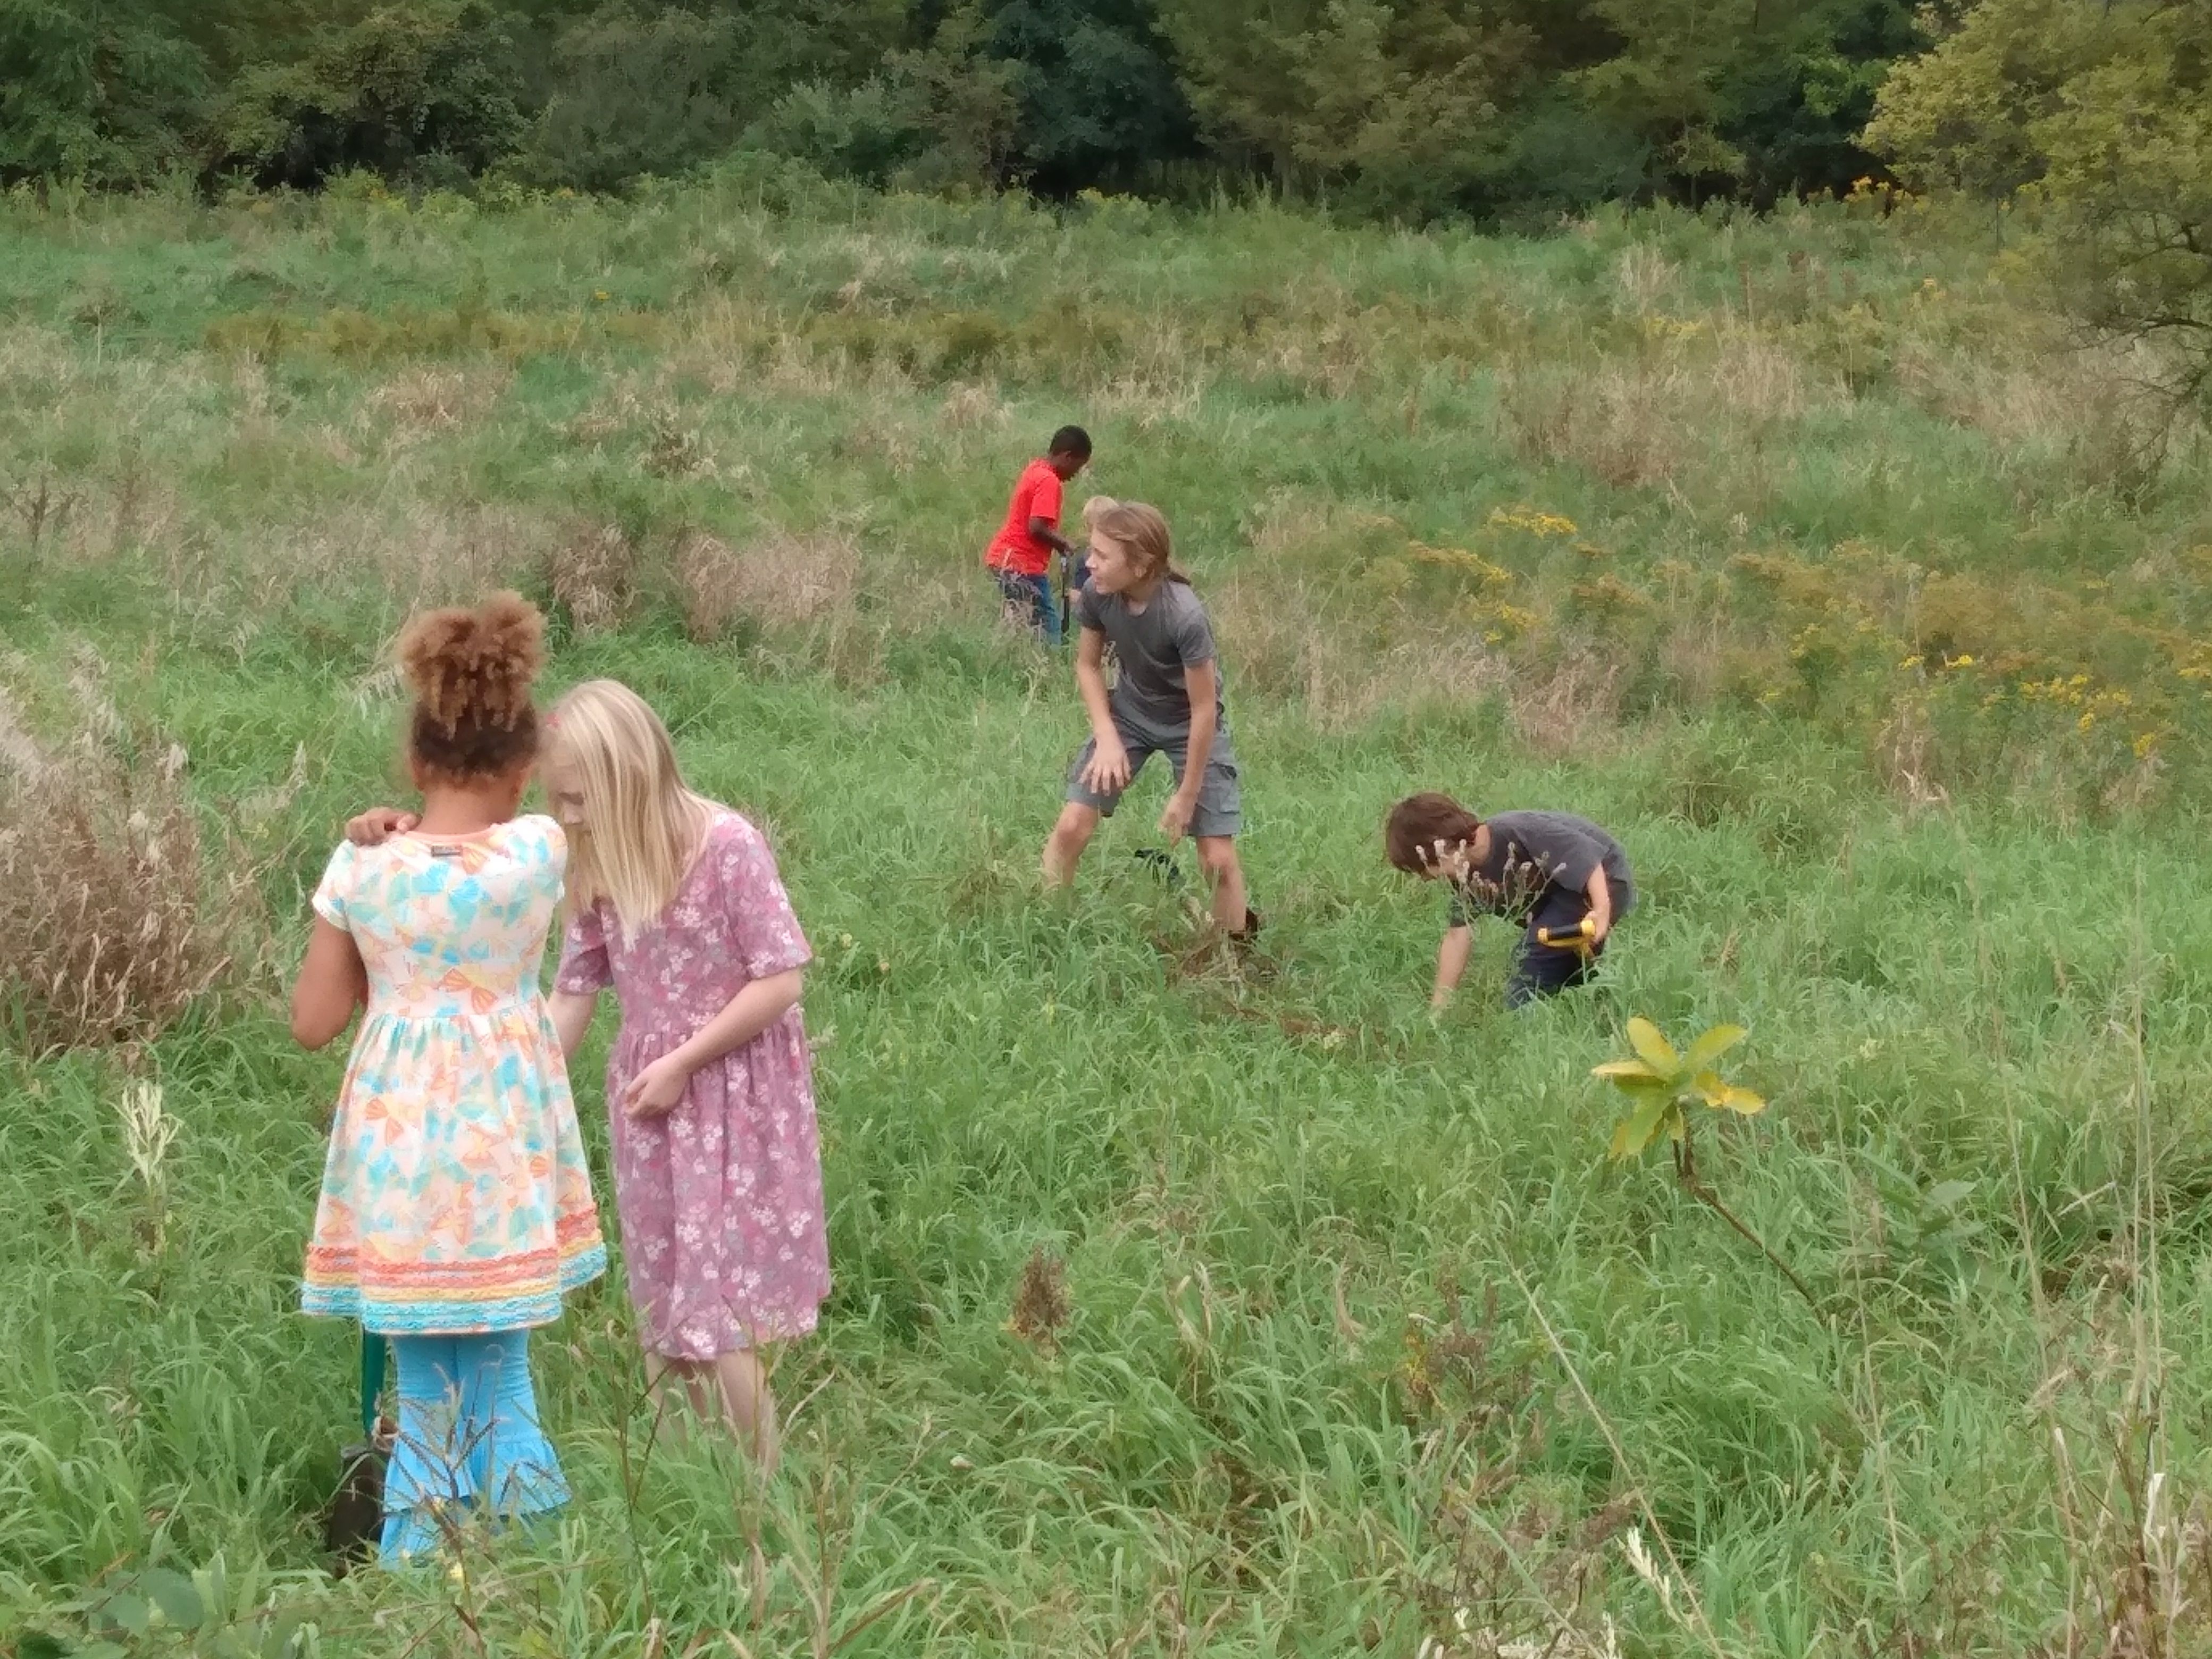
<point>533,835</point>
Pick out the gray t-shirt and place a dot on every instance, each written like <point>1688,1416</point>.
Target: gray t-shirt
<point>1152,648</point>
<point>1531,851</point>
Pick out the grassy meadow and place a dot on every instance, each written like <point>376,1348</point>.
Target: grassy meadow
<point>1186,1304</point>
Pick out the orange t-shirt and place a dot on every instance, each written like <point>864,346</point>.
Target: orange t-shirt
<point>1036,496</point>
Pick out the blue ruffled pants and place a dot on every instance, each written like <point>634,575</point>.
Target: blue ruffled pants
<point>469,1439</point>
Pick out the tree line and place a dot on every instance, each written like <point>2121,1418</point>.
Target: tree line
<point>2092,117</point>
<point>1499,109</point>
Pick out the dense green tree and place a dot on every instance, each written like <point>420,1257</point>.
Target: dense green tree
<point>1099,104</point>
<point>632,88</point>
<point>2100,117</point>
<point>107,91</point>
<point>419,91</point>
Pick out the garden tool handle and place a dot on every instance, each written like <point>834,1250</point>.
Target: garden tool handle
<point>1581,937</point>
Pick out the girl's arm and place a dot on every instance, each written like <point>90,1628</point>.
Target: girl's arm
<point>333,983</point>
<point>572,1013</point>
<point>657,1089</point>
<point>1201,680</point>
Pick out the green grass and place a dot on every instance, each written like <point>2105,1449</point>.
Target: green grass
<point>1369,1343</point>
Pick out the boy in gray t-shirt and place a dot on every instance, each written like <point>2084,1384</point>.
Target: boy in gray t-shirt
<point>1166,699</point>
<point>1562,879</point>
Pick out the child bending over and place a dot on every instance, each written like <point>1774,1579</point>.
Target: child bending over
<point>1561,878</point>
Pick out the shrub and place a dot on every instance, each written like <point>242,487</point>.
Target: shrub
<point>418,92</point>
<point>104,895</point>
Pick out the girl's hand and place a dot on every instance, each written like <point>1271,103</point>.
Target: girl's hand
<point>1175,819</point>
<point>657,1089</point>
<point>1107,773</point>
<point>379,825</point>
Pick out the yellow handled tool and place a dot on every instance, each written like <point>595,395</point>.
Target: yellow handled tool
<point>1582,937</point>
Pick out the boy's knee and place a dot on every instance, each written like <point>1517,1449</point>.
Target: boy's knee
<point>1217,854</point>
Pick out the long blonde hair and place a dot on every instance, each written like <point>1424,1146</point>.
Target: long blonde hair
<point>643,827</point>
<point>1143,529</point>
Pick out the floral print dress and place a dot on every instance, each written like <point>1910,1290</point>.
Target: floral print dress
<point>455,1197</point>
<point>720,1200</point>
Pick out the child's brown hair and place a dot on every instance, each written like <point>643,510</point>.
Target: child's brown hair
<point>471,672</point>
<point>1143,529</point>
<point>1418,822</point>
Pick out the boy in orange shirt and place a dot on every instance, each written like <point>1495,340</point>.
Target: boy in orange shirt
<point>1020,556</point>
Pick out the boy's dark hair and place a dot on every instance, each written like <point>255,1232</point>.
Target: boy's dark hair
<point>1418,822</point>
<point>471,672</point>
<point>1070,441</point>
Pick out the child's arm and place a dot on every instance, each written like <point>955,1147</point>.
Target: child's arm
<point>1451,963</point>
<point>572,1013</point>
<point>333,983</point>
<point>658,1088</point>
<point>379,825</point>
<point>1108,771</point>
<point>1200,681</point>
<point>1047,532</point>
<point>1601,910</point>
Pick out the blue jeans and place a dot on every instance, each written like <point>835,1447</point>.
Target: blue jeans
<point>1030,601</point>
<point>1545,970</point>
<point>468,1437</point>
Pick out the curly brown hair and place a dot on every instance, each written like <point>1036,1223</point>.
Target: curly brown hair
<point>471,672</point>
<point>1418,822</point>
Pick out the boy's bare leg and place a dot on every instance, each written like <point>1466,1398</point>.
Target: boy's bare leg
<point>1063,847</point>
<point>1217,857</point>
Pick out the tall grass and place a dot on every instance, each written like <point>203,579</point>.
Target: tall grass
<point>1185,1304</point>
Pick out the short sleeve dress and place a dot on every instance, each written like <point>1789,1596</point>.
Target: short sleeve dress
<point>720,1199</point>
<point>455,1196</point>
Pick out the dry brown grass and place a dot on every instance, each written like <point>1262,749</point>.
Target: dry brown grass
<point>783,581</point>
<point>428,400</point>
<point>1041,1309</point>
<point>1630,427</point>
<point>117,927</point>
<point>594,576</point>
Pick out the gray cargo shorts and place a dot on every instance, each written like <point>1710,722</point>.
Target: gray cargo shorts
<point>1220,809</point>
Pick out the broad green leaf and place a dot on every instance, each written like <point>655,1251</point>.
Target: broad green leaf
<point>1946,1194</point>
<point>175,1595</point>
<point>1635,1131</point>
<point>1726,1096</point>
<point>1658,1053</point>
<point>1623,1068</point>
<point>1711,1046</point>
<point>1626,1073</point>
<point>125,1611</point>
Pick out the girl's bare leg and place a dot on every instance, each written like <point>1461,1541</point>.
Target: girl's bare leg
<point>750,1405</point>
<point>672,1380</point>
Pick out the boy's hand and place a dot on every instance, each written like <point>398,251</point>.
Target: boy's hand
<point>379,825</point>
<point>1108,771</point>
<point>1175,818</point>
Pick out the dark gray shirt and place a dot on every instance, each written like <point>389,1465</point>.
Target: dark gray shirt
<point>1531,851</point>
<point>1152,649</point>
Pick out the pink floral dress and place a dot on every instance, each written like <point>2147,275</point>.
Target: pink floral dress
<point>720,1199</point>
